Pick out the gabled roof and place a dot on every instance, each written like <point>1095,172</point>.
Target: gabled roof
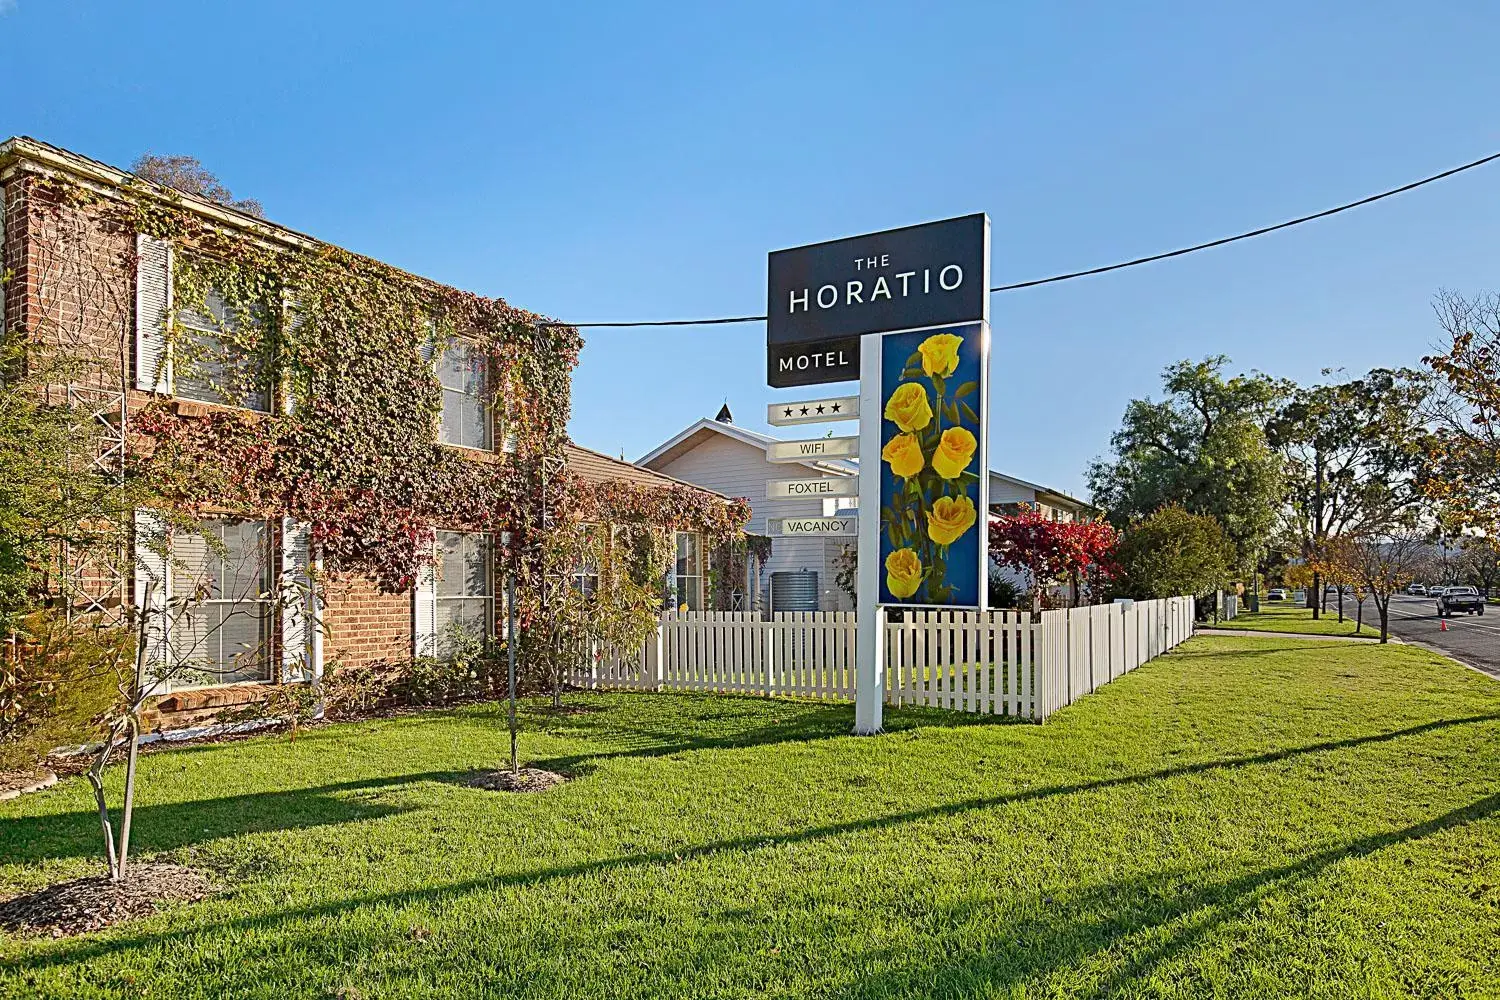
<point>1046,493</point>
<point>597,467</point>
<point>695,434</point>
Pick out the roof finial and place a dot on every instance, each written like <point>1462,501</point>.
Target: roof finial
<point>725,417</point>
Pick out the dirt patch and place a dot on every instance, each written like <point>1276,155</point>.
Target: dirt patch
<point>528,779</point>
<point>14,783</point>
<point>90,904</point>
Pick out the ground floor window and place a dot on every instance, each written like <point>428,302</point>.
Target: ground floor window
<point>687,576</point>
<point>465,597</point>
<point>219,626</point>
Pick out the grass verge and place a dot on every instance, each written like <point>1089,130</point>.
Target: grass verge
<point>1289,617</point>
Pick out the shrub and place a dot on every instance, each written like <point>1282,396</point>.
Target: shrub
<point>1004,592</point>
<point>62,681</point>
<point>1172,553</point>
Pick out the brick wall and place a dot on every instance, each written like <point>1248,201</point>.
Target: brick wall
<point>362,625</point>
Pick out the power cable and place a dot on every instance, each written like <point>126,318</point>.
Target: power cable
<point>1070,275</point>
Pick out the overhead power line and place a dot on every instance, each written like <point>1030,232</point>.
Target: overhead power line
<point>1070,275</point>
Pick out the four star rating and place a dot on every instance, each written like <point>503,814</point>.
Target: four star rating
<point>813,411</point>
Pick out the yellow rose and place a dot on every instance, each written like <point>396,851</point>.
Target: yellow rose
<point>940,354</point>
<point>908,407</point>
<point>903,573</point>
<point>954,452</point>
<point>904,454</point>
<point>949,518</point>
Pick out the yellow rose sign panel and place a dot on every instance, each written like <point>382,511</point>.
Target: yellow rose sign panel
<point>931,517</point>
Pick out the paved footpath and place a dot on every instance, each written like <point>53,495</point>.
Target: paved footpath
<point>1265,633</point>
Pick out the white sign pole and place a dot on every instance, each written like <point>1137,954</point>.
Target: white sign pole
<point>869,671</point>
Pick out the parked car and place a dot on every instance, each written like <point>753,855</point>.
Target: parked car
<point>1459,599</point>
<point>1417,590</point>
<point>1276,594</point>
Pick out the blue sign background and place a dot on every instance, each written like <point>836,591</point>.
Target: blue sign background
<point>950,575</point>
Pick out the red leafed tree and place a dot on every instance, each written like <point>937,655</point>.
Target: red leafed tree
<point>1048,551</point>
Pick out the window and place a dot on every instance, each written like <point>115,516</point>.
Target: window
<point>224,635</point>
<point>688,575</point>
<point>212,362</point>
<point>465,591</point>
<point>585,578</point>
<point>463,372</point>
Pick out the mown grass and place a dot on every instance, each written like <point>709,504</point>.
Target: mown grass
<point>1292,617</point>
<point>1254,817</point>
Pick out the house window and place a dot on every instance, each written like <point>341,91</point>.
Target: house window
<point>212,359</point>
<point>221,610</point>
<point>585,578</point>
<point>465,591</point>
<point>687,577</point>
<point>463,372</point>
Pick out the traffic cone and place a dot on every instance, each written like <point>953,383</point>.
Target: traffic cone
<point>1442,624</point>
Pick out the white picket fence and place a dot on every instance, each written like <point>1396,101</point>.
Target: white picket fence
<point>995,663</point>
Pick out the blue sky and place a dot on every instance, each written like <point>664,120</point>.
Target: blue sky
<point>618,161</point>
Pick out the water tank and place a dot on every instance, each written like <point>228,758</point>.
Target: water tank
<point>794,590</point>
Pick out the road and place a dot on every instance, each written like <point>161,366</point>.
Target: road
<point>1474,639</point>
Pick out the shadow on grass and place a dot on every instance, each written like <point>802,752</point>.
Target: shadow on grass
<point>745,723</point>
<point>259,924</point>
<point>1038,937</point>
<point>168,826</point>
<point>684,723</point>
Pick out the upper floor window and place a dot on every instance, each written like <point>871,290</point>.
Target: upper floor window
<point>463,372</point>
<point>216,354</point>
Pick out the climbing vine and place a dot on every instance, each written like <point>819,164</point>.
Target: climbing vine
<point>336,352</point>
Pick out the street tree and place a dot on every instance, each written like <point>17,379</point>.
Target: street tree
<point>1465,409</point>
<point>1385,562</point>
<point>188,175</point>
<point>1354,452</point>
<point>1203,447</point>
<point>1481,562</point>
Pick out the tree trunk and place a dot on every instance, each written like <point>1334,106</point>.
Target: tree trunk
<point>1341,605</point>
<point>1359,619</point>
<point>1385,607</point>
<point>95,775</point>
<point>129,810</point>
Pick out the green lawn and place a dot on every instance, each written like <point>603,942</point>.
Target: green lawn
<point>1285,616</point>
<point>1241,818</point>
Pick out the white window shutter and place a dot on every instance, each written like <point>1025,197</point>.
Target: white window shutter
<point>153,304</point>
<point>424,613</point>
<point>298,604</point>
<point>152,573</point>
<point>293,318</point>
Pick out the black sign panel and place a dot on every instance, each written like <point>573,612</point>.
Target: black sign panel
<point>822,298</point>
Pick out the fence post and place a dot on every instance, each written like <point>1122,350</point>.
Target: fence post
<point>655,657</point>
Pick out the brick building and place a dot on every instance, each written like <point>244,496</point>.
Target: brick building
<point>79,277</point>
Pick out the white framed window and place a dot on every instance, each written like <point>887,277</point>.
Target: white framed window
<point>219,627</point>
<point>464,589</point>
<point>464,373</point>
<point>209,365</point>
<point>687,576</point>
<point>585,578</point>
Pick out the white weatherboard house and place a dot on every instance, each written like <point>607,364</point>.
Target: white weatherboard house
<point>717,451</point>
<point>720,456</point>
